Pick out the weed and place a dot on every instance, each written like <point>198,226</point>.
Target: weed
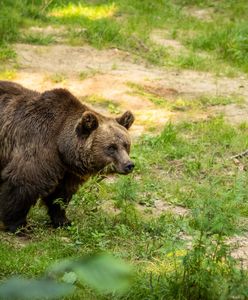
<point>6,53</point>
<point>87,74</point>
<point>57,78</point>
<point>153,97</point>
<point>192,61</point>
<point>175,102</point>
<point>105,103</point>
<point>37,39</point>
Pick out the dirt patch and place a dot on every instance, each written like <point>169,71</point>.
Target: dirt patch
<point>205,14</point>
<point>161,207</point>
<point>234,113</point>
<point>15,241</point>
<point>160,37</point>
<point>240,252</point>
<point>46,30</point>
<point>106,73</point>
<point>70,60</point>
<point>160,91</point>
<point>109,207</point>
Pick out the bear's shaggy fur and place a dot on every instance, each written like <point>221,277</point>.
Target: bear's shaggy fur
<point>50,143</point>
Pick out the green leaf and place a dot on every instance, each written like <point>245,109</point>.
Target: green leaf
<point>21,288</point>
<point>100,271</point>
<point>104,273</point>
<point>70,277</point>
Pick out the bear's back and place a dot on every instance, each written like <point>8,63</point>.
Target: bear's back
<point>30,118</point>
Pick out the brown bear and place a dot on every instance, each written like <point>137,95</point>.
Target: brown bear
<point>50,143</point>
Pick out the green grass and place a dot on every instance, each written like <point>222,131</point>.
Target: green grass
<point>88,74</point>
<point>177,102</point>
<point>128,24</point>
<point>8,74</point>
<point>57,78</point>
<point>225,35</point>
<point>6,53</point>
<point>37,39</point>
<point>188,165</point>
<point>103,102</point>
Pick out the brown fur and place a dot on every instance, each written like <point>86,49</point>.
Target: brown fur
<point>50,142</point>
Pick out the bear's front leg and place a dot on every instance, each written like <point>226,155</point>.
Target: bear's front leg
<point>56,209</point>
<point>15,202</point>
<point>58,200</point>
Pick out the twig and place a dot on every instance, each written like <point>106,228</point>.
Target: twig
<point>240,155</point>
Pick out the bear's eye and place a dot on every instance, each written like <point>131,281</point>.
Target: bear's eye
<point>112,148</point>
<point>127,147</point>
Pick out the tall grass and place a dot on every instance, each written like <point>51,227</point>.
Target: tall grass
<point>128,24</point>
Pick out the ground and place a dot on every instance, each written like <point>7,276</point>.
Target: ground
<point>189,122</point>
<point>108,74</point>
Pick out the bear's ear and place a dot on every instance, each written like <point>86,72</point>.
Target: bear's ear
<point>87,124</point>
<point>126,119</point>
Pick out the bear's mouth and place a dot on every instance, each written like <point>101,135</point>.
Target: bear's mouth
<point>123,169</point>
<point>109,169</point>
<point>112,168</point>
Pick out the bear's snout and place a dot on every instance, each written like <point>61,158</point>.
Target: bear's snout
<point>129,167</point>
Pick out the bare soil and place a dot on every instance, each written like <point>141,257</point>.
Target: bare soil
<point>107,73</point>
<point>240,252</point>
<point>204,14</point>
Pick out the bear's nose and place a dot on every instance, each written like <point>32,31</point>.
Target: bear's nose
<point>129,167</point>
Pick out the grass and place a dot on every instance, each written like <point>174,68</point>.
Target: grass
<point>57,78</point>
<point>37,39</point>
<point>128,24</point>
<point>100,101</point>
<point>170,99</point>
<point>88,74</point>
<point>188,165</point>
<point>8,74</point>
<point>6,53</point>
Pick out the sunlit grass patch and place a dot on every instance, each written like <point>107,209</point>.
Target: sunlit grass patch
<point>167,264</point>
<point>9,21</point>
<point>153,97</point>
<point>128,25</point>
<point>172,100</point>
<point>8,74</point>
<point>57,78</point>
<point>191,61</point>
<point>38,39</point>
<point>83,10</point>
<point>201,102</point>
<point>6,52</point>
<point>229,42</point>
<point>89,73</point>
<point>221,100</point>
<point>108,104</point>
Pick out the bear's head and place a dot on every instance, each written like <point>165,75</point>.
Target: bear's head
<point>105,142</point>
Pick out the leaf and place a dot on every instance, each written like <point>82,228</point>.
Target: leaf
<point>21,288</point>
<point>104,273</point>
<point>100,271</point>
<point>69,277</point>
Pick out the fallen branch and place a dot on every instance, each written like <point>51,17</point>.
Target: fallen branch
<point>240,155</point>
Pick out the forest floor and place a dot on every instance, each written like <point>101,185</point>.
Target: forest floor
<point>189,122</point>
